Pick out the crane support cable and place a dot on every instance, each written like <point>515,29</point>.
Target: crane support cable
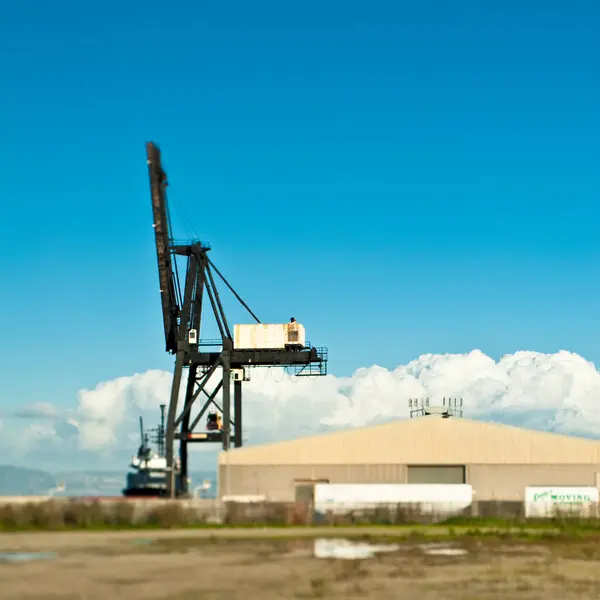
<point>218,300</point>
<point>174,266</point>
<point>238,297</point>
<point>215,309</point>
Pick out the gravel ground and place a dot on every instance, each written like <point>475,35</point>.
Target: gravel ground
<point>186,565</point>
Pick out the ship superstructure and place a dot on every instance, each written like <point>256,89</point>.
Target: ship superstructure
<point>148,468</point>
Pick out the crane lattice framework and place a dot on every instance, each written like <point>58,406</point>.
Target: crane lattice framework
<point>183,315</point>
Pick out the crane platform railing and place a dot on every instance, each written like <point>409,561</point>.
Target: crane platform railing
<point>313,369</point>
<point>189,242</point>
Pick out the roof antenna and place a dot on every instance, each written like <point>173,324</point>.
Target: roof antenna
<point>421,407</point>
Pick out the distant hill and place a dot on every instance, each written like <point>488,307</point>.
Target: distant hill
<point>94,483</point>
<point>109,483</point>
<point>17,481</point>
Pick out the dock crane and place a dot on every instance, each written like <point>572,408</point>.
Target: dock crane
<point>183,311</point>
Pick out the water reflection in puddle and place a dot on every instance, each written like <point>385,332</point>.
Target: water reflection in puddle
<point>445,551</point>
<point>26,556</point>
<point>142,541</point>
<point>354,550</point>
<point>346,549</point>
<point>442,550</point>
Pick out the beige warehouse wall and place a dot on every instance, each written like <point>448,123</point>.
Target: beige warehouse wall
<point>490,482</point>
<point>277,481</point>
<point>508,482</point>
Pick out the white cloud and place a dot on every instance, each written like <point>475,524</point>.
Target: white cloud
<point>558,392</point>
<point>106,414</point>
<point>38,410</point>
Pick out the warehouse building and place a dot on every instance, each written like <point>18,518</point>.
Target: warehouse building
<point>498,461</point>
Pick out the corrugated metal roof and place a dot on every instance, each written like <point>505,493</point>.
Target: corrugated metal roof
<point>424,440</point>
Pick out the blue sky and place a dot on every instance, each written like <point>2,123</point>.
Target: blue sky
<point>401,177</point>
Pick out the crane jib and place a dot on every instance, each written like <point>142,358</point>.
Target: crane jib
<point>158,183</point>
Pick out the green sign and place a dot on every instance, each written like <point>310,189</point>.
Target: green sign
<point>559,498</point>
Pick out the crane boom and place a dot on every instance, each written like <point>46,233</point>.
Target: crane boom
<point>170,307</point>
<point>183,309</point>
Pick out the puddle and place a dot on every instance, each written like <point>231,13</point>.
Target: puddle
<point>442,550</point>
<point>142,541</point>
<point>26,556</point>
<point>348,550</point>
<point>351,550</point>
<point>446,552</point>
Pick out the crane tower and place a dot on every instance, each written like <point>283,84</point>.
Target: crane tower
<point>183,311</point>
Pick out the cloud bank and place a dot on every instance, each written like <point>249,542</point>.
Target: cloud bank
<point>554,392</point>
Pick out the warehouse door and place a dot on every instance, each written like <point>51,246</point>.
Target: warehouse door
<point>305,489</point>
<point>436,474</point>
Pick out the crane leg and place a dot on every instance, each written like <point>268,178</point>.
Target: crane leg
<point>237,411</point>
<point>185,430</point>
<point>225,361</point>
<point>171,418</point>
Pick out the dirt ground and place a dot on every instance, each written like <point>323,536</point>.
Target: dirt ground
<point>191,565</point>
